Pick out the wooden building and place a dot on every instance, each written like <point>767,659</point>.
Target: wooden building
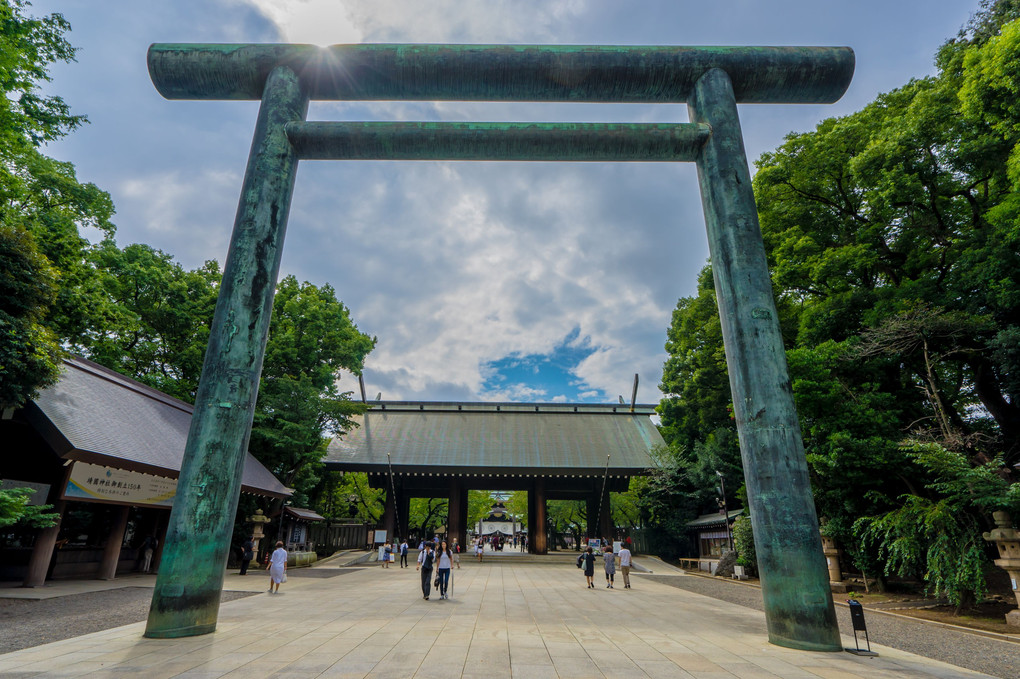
<point>106,451</point>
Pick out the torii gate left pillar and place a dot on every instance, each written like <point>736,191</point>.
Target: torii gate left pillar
<point>712,80</point>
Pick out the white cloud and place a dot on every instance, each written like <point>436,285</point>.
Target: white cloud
<point>318,22</point>
<point>327,22</point>
<point>454,266</point>
<point>185,209</point>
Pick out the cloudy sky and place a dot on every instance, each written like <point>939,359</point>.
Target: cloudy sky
<point>495,281</point>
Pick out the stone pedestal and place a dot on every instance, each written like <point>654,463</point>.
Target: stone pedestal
<point>831,553</point>
<point>1007,539</point>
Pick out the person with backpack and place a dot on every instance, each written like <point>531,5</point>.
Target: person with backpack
<point>456,552</point>
<point>588,560</point>
<point>426,558</point>
<point>403,554</point>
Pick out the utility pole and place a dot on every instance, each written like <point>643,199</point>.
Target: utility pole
<point>725,508</point>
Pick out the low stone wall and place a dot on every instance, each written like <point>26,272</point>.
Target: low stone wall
<point>300,559</point>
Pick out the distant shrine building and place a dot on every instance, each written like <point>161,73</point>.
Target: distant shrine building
<point>553,451</point>
<point>499,522</point>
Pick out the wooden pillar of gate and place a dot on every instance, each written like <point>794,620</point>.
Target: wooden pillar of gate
<point>456,514</point>
<point>591,510</point>
<point>389,520</point>
<point>538,542</point>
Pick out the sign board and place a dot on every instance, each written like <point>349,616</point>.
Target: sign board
<point>595,544</point>
<point>857,616</point>
<point>617,546</point>
<point>42,490</point>
<point>105,484</point>
<point>380,537</point>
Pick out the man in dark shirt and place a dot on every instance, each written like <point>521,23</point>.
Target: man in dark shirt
<point>425,560</point>
<point>247,552</point>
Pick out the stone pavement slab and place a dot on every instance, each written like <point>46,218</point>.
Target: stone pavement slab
<point>527,619</point>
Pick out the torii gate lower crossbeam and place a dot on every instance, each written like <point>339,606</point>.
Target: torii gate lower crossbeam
<point>712,80</point>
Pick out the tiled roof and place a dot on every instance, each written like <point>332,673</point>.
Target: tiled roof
<point>509,438</point>
<point>305,514</point>
<point>714,519</point>
<point>109,419</point>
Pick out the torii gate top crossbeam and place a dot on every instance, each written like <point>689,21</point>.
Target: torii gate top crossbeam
<point>572,73</point>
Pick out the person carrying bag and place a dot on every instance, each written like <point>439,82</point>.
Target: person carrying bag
<point>425,560</point>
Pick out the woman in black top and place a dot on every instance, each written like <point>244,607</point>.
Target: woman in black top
<point>589,566</point>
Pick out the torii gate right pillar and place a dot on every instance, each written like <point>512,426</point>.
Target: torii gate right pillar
<point>795,583</point>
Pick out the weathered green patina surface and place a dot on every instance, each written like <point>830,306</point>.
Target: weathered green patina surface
<point>637,74</point>
<point>497,141</point>
<point>712,80</point>
<point>187,594</point>
<point>795,582</point>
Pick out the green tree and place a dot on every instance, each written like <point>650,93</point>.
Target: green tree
<point>14,509</point>
<point>41,197</point>
<point>426,515</point>
<point>311,340</point>
<point>893,249</point>
<point>479,506</point>
<point>348,495</point>
<point>154,316</point>
<point>938,539</point>
<point>29,352</point>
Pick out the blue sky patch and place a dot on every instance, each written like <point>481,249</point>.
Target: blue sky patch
<point>544,377</point>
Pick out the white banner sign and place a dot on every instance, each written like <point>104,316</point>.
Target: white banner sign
<point>106,484</point>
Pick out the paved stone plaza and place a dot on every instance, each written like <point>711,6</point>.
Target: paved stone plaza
<point>508,617</point>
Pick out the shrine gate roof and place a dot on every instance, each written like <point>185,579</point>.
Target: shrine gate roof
<point>499,438</point>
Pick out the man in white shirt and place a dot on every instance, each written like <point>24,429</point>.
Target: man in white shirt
<point>625,566</point>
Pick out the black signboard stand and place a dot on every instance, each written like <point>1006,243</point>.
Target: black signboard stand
<point>857,618</point>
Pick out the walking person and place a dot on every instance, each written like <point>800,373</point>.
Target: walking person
<point>444,562</point>
<point>426,558</point>
<point>247,552</point>
<point>148,549</point>
<point>588,561</point>
<point>277,568</point>
<point>387,551</point>
<point>625,558</point>
<point>610,562</point>
<point>403,554</point>
<point>456,552</point>
<point>479,549</point>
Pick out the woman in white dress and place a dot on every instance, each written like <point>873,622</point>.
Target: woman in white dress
<point>277,567</point>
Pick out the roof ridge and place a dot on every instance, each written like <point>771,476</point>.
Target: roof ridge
<point>110,375</point>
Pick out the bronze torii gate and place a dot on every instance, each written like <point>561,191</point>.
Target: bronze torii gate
<point>711,80</point>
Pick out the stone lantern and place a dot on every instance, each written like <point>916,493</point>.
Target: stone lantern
<point>1007,539</point>
<point>831,553</point>
<point>259,520</point>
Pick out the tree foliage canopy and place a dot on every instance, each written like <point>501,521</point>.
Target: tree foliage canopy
<point>893,244</point>
<point>42,206</point>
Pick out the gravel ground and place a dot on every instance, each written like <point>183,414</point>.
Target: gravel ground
<point>31,622</point>
<point>975,652</point>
